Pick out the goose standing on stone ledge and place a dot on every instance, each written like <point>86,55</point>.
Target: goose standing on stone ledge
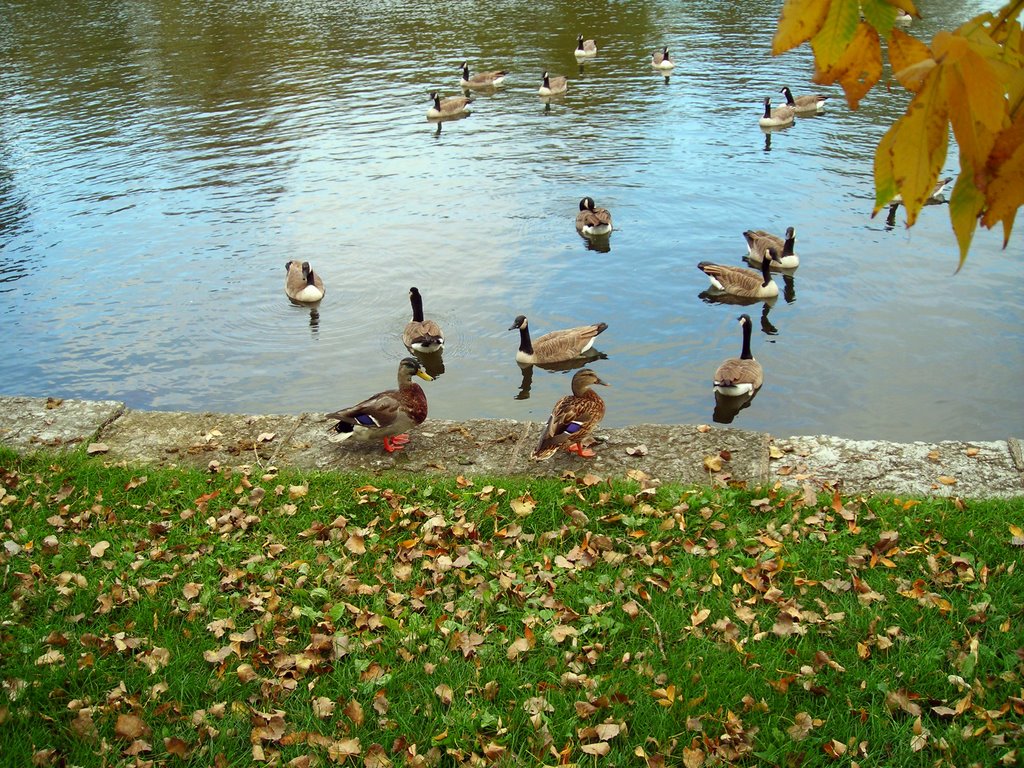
<point>387,414</point>
<point>573,418</point>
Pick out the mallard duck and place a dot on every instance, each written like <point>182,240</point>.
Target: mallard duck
<point>421,335</point>
<point>759,241</point>
<point>774,118</point>
<point>573,418</point>
<point>585,48</point>
<point>740,375</point>
<point>660,60</point>
<point>591,220</point>
<point>302,284</point>
<point>556,346</point>
<point>387,414</point>
<point>803,104</point>
<point>553,86</point>
<point>744,283</point>
<point>481,79</point>
<point>454,105</point>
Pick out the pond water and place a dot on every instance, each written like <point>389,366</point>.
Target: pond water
<point>160,162</point>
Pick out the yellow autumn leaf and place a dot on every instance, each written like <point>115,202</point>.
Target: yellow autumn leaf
<point>919,146</point>
<point>911,60</point>
<point>965,205</point>
<point>600,748</point>
<point>885,180</point>
<point>1005,193</point>
<point>838,29</point>
<point>858,68</point>
<point>799,22</point>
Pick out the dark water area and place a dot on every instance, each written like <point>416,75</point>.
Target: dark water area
<point>161,161</point>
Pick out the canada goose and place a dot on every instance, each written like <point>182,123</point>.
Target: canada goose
<point>804,104</point>
<point>387,414</point>
<point>454,105</point>
<point>301,284</point>
<point>573,418</point>
<point>740,282</point>
<point>759,241</point>
<point>660,60</point>
<point>591,220</point>
<point>552,86</point>
<point>421,335</point>
<point>902,17</point>
<point>585,48</point>
<point>740,375</point>
<point>481,79</point>
<point>773,118</point>
<point>938,194</point>
<point>554,347</point>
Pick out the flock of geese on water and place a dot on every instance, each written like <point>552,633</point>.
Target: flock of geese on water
<point>388,415</point>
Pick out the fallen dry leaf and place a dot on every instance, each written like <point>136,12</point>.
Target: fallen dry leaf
<point>97,549</point>
<point>130,727</point>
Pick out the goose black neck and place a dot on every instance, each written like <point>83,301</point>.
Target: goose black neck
<point>525,345</point>
<point>767,108</point>
<point>310,278</point>
<point>789,245</point>
<point>465,72</point>
<point>745,353</point>
<point>417,306</point>
<point>766,268</point>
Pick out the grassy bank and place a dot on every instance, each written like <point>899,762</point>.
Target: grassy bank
<point>190,618</point>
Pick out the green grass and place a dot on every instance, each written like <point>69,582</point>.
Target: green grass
<point>323,618</point>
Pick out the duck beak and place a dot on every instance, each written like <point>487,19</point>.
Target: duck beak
<point>424,375</point>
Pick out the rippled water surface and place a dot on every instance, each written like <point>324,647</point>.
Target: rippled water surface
<point>160,162</point>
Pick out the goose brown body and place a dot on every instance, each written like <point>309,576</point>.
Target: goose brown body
<point>421,335</point>
<point>740,282</point>
<point>760,242</point>
<point>481,79</point>
<point>573,418</point>
<point>553,86</point>
<point>660,60</point>
<point>813,102</point>
<point>453,105</point>
<point>585,48</point>
<point>741,375</point>
<point>556,346</point>
<point>592,220</point>
<point>301,283</point>
<point>776,118</point>
<point>385,415</point>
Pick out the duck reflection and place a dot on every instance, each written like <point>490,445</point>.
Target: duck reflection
<point>728,406</point>
<point>565,365</point>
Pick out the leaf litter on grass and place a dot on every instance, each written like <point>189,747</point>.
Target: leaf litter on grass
<point>246,616</point>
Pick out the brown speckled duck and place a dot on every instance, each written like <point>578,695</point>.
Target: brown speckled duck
<point>573,418</point>
<point>387,414</point>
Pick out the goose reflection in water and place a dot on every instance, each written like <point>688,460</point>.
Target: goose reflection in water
<point>597,243</point>
<point>432,362</point>
<point>728,406</point>
<point>439,121</point>
<point>566,365</point>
